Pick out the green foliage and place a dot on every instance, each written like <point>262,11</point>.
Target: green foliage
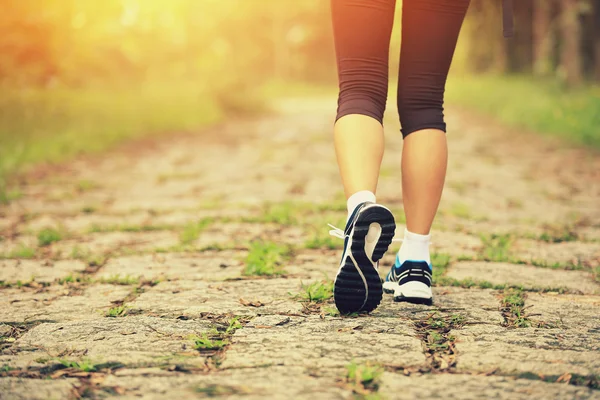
<point>365,376</point>
<point>21,251</point>
<point>191,232</point>
<point>118,311</point>
<point>512,307</point>
<point>266,258</point>
<point>496,247</point>
<point>205,343</point>
<point>539,105</point>
<point>234,325</point>
<point>322,240</point>
<point>117,279</point>
<point>83,365</point>
<point>48,236</point>
<point>317,292</point>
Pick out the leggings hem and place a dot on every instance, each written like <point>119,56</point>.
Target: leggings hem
<point>359,111</point>
<point>434,125</point>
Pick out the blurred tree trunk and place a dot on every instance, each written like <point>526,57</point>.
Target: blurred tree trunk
<point>543,42</point>
<point>570,46</point>
<point>487,46</point>
<point>596,40</point>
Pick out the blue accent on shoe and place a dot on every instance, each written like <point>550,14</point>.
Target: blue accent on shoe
<point>410,270</point>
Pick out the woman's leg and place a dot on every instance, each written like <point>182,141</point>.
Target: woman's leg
<point>362,30</point>
<point>430,30</point>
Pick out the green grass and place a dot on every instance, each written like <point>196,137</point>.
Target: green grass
<point>48,236</point>
<point>55,125</point>
<point>266,259</point>
<point>83,365</point>
<point>118,311</point>
<point>120,280</point>
<point>323,240</point>
<point>539,105</point>
<point>21,251</point>
<point>512,307</point>
<point>206,343</point>
<point>365,377</point>
<point>191,232</point>
<point>496,247</point>
<point>317,292</point>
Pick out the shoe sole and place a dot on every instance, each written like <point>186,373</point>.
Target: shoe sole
<point>357,285</point>
<point>413,292</point>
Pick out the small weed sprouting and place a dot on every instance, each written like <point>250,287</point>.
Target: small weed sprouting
<point>85,185</point>
<point>434,332</point>
<point>265,259</point>
<point>460,210</point>
<point>205,342</point>
<point>71,279</point>
<point>234,325</point>
<point>331,311</point>
<point>48,236</point>
<point>513,309</point>
<point>120,280</point>
<point>496,247</point>
<point>317,292</point>
<point>363,378</point>
<point>23,252</point>
<point>83,365</point>
<point>439,262</point>
<point>215,390</point>
<point>320,241</point>
<point>191,232</point>
<point>119,311</point>
<point>88,209</point>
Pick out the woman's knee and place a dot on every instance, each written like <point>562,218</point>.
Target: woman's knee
<point>421,107</point>
<point>363,88</point>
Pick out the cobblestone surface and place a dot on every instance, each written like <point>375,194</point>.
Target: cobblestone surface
<point>148,290</point>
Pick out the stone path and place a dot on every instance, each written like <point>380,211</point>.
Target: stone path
<point>200,266</point>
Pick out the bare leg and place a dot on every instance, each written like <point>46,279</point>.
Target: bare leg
<point>359,145</point>
<point>424,160</point>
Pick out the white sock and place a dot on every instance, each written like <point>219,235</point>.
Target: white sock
<point>357,198</point>
<point>414,247</point>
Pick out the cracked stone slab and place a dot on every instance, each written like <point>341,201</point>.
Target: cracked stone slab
<point>565,311</point>
<point>480,306</point>
<point>458,386</point>
<point>106,242</point>
<point>253,383</point>
<point>323,343</point>
<point>242,233</point>
<point>132,340</point>
<point>525,275</point>
<point>10,245</point>
<point>565,252</point>
<point>58,303</point>
<point>476,305</point>
<point>208,265</point>
<point>483,348</point>
<point>42,271</point>
<point>36,389</point>
<point>455,244</point>
<point>190,298</point>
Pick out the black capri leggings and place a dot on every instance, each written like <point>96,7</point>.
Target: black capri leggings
<point>362,30</point>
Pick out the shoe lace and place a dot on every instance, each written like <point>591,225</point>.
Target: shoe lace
<point>338,233</point>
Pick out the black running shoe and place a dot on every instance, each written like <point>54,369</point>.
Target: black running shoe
<point>410,282</point>
<point>357,285</point>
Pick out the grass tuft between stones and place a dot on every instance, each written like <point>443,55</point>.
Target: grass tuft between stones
<point>364,378</point>
<point>438,343</point>
<point>48,236</point>
<point>266,259</point>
